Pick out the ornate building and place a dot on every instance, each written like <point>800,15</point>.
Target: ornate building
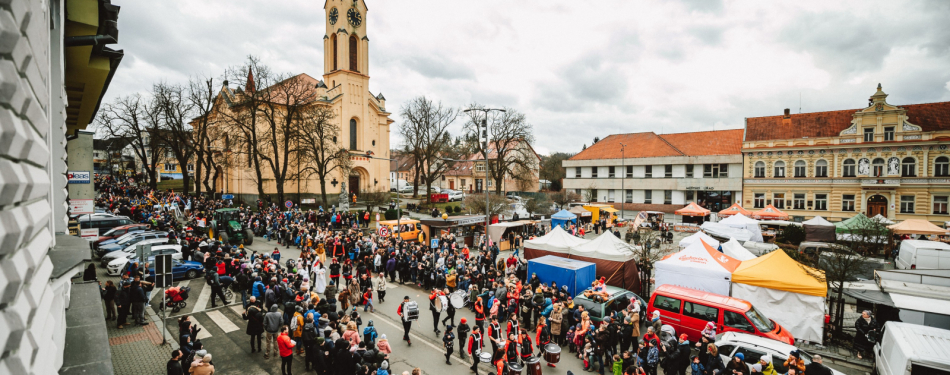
<point>883,160</point>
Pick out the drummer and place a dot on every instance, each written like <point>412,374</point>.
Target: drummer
<point>499,360</point>
<point>543,337</point>
<point>475,346</point>
<point>449,310</point>
<point>511,347</point>
<point>513,323</point>
<point>436,311</point>
<point>495,334</point>
<point>527,349</point>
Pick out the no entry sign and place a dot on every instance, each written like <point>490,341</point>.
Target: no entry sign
<point>289,204</point>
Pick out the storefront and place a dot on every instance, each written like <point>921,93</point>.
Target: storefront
<point>464,228</point>
<point>714,201</point>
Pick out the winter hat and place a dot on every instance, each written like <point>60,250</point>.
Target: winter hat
<point>206,358</point>
<point>656,314</point>
<point>767,358</point>
<point>463,321</point>
<point>740,356</point>
<point>383,337</point>
<point>684,337</point>
<point>385,364</point>
<point>370,323</point>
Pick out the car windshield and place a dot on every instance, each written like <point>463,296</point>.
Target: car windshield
<point>762,323</point>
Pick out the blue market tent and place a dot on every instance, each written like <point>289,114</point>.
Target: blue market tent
<point>576,274</point>
<point>563,217</point>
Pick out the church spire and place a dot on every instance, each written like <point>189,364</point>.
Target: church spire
<point>249,86</point>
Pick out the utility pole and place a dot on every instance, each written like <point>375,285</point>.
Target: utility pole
<point>484,134</point>
<point>623,175</point>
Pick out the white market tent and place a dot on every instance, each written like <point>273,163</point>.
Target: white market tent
<point>724,231</point>
<point>696,237</point>
<point>819,229</point>
<point>556,241</point>
<point>700,267</point>
<point>744,222</point>
<point>734,249</point>
<point>615,260</point>
<point>883,220</point>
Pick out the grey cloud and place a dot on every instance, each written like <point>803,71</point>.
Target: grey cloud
<point>438,66</point>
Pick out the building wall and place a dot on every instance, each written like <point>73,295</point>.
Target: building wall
<point>80,159</point>
<point>32,117</point>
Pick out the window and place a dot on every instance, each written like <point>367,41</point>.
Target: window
<point>668,171</point>
<point>335,49</point>
<point>941,165</point>
<point>628,196</point>
<point>847,202</point>
<point>610,196</point>
<point>907,204</point>
<point>649,171</point>
<point>723,170</point>
<point>759,201</point>
<point>737,321</point>
<point>668,197</point>
<point>354,64</point>
<point>779,169</point>
<point>577,172</point>
<point>754,355</point>
<point>940,204</point>
<point>610,172</point>
<point>667,304</point>
<point>593,171</point>
<point>798,202</point>
<point>170,167</point>
<point>353,134</point>
<point>689,195</point>
<point>849,168</point>
<point>480,167</point>
<point>869,134</point>
<point>593,195</point>
<point>821,202</point>
<point>800,168</point>
<point>908,167</point>
<point>701,312</point>
<point>629,171</point>
<point>716,170</point>
<point>760,169</point>
<point>778,200</point>
<point>877,167</point>
<point>889,133</point>
<point>490,183</point>
<point>648,196</point>
<point>689,171</point>
<point>191,167</point>
<point>169,154</point>
<point>821,168</point>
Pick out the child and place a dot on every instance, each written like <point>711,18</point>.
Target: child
<point>570,340</point>
<point>618,365</point>
<point>588,352</point>
<point>696,368</point>
<point>653,358</point>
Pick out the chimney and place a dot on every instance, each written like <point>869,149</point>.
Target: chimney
<point>788,113</point>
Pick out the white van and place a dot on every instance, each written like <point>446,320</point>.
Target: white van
<point>918,254</point>
<point>911,349</point>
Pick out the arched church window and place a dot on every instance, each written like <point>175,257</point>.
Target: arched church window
<point>354,66</point>
<point>353,134</point>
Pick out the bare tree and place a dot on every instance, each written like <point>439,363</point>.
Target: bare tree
<point>321,152</point>
<point>649,250</point>
<point>563,198</point>
<point>507,153</point>
<point>538,205</point>
<point>426,137</point>
<point>176,111</point>
<point>376,199</point>
<point>202,98</point>
<point>476,203</point>
<point>139,120</point>
<point>242,139</point>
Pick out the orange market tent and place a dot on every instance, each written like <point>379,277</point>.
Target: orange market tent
<point>769,213</point>
<point>784,290</point>
<point>735,209</point>
<point>692,209</point>
<point>916,226</point>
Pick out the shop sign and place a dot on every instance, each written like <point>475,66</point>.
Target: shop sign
<point>700,188</point>
<point>78,177</point>
<point>470,220</point>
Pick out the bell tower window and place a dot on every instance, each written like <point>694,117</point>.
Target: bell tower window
<point>333,40</point>
<point>354,44</point>
<point>353,133</point>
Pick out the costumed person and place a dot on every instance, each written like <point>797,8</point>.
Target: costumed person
<point>319,278</point>
<point>475,346</point>
<point>406,324</point>
<point>435,312</point>
<point>527,347</point>
<point>495,334</point>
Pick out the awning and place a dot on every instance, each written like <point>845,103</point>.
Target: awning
<point>692,209</point>
<point>495,231</point>
<point>868,291</point>
<point>609,209</point>
<point>917,226</point>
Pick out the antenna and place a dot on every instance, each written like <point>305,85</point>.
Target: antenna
<point>799,102</point>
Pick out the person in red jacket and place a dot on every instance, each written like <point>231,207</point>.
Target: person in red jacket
<point>513,324</point>
<point>286,347</point>
<point>475,346</point>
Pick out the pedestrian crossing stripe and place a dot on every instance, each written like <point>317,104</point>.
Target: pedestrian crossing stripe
<point>203,298</point>
<point>222,321</point>
<point>203,334</point>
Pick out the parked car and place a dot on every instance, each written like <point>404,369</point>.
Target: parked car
<point>753,347</point>
<point>688,311</point>
<point>406,189</point>
<point>119,231</point>
<point>116,266</point>
<point>916,254</point>
<point>104,224</point>
<point>130,240</point>
<point>827,251</point>
<point>454,195</point>
<point>619,299</point>
<point>123,238</point>
<point>181,269</point>
<point>907,348</point>
<point>130,249</point>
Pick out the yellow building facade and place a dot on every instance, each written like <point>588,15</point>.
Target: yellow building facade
<point>884,159</point>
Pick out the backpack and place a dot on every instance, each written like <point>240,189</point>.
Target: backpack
<point>653,356</point>
<point>309,334</point>
<point>293,323</point>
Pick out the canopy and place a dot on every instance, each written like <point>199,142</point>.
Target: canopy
<point>916,226</point>
<point>576,275</point>
<point>785,291</point>
<point>769,213</point>
<point>883,220</point>
<point>735,209</point>
<point>699,266</point>
<point>819,229</point>
<point>580,211</point>
<point>692,209</point>
<point>609,209</point>
<point>696,237</point>
<point>495,231</point>
<point>858,223</point>
<point>725,232</point>
<point>734,249</point>
<point>615,260</point>
<point>562,217</point>
<point>744,222</point>
<point>556,241</point>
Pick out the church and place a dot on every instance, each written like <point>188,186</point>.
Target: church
<point>361,116</point>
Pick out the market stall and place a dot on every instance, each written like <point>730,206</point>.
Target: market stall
<point>917,226</point>
<point>734,249</point>
<point>583,216</point>
<point>556,242</point>
<point>790,293</point>
<point>577,275</point>
<point>700,266</point>
<point>722,232</point>
<point>818,229</point>
<point>883,220</point>
<point>693,213</point>
<point>602,210</point>
<point>735,209</point>
<point>614,258</point>
<point>769,213</point>
<point>743,221</point>
<point>563,218</point>
<point>504,233</point>
<point>695,238</point>
<point>464,228</point>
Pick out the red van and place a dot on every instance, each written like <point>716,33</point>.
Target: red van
<point>688,311</point>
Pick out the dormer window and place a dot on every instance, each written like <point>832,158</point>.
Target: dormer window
<point>889,133</point>
<point>869,134</point>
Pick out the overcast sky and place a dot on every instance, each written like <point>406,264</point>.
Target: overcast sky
<point>578,69</point>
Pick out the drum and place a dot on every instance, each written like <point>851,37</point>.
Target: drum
<point>552,353</point>
<point>458,299</point>
<point>410,311</point>
<point>515,368</point>
<point>444,301</point>
<point>484,357</point>
<point>438,304</point>
<point>534,365</point>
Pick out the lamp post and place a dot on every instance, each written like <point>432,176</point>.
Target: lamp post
<point>369,154</point>
<point>623,174</point>
<point>487,141</point>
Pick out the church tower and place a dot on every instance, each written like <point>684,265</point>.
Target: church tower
<point>345,44</point>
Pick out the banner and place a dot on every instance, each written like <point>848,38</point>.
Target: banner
<point>202,223</point>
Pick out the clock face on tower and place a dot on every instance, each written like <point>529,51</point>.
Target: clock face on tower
<point>354,17</point>
<point>334,15</point>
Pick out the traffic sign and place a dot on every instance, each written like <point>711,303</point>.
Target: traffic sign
<point>227,196</point>
<point>383,231</point>
<point>81,206</point>
<point>163,270</point>
<point>289,204</point>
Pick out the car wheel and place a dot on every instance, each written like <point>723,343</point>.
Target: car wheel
<point>224,238</point>
<point>248,237</point>
<point>191,274</point>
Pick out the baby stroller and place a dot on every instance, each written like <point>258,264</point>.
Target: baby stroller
<point>175,298</point>
<point>668,337</point>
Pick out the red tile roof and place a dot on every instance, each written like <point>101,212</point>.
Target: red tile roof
<point>646,145</point>
<point>929,116</point>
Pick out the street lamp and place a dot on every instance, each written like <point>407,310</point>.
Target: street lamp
<point>484,133</point>
<point>369,154</point>
<point>623,174</point>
